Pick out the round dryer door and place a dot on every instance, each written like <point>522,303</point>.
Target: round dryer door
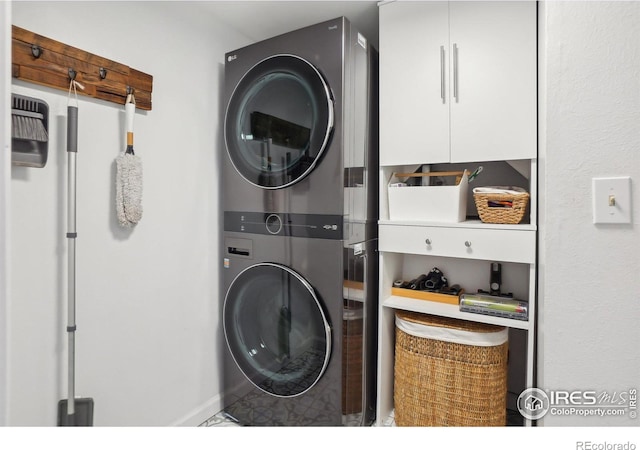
<point>276,330</point>
<point>278,121</point>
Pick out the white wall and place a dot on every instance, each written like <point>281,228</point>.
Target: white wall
<point>148,336</point>
<point>589,327</point>
<point>147,300</point>
<point>5,140</point>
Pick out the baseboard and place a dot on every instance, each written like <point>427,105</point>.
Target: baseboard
<point>200,414</point>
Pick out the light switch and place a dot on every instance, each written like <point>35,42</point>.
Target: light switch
<point>612,200</point>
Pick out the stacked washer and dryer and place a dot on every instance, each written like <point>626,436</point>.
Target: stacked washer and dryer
<point>300,204</point>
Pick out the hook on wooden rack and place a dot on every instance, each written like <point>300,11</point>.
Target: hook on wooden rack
<point>72,74</point>
<point>103,73</point>
<point>36,51</point>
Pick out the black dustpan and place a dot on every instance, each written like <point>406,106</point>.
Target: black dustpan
<point>82,416</point>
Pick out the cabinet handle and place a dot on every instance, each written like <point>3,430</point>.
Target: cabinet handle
<point>427,241</point>
<point>455,72</point>
<point>442,74</point>
<point>467,243</point>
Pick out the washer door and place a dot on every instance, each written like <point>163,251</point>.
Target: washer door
<point>278,122</point>
<point>276,329</point>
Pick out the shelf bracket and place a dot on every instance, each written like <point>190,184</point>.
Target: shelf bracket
<point>522,166</point>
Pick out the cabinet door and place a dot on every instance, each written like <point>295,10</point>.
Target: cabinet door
<point>414,109</point>
<point>493,69</point>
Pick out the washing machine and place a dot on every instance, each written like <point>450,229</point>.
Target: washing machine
<point>299,321</point>
<point>300,205</point>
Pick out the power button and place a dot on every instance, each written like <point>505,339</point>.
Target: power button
<point>273,223</point>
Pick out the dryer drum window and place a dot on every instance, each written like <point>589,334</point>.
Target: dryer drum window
<point>276,329</point>
<point>279,121</point>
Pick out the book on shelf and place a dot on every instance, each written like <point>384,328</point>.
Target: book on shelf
<point>492,305</point>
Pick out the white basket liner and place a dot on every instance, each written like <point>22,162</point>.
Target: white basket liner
<point>453,335</point>
<point>510,190</point>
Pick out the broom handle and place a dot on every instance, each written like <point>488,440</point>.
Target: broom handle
<point>72,151</point>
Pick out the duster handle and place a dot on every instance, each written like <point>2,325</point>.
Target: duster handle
<point>130,111</point>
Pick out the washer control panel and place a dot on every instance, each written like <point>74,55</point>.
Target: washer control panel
<point>319,226</point>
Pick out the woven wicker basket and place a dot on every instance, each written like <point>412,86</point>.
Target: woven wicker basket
<point>439,383</point>
<point>352,365</point>
<point>510,215</point>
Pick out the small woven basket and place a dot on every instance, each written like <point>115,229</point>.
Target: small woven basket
<point>440,383</point>
<point>511,214</point>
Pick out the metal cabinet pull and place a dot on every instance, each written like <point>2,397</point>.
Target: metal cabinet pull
<point>455,71</point>
<point>467,244</point>
<point>427,241</point>
<point>442,74</point>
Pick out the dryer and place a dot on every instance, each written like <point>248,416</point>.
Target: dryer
<point>300,124</point>
<point>300,203</point>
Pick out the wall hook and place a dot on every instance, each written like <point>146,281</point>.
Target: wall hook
<point>36,51</point>
<point>72,74</point>
<point>103,73</point>
<point>129,90</point>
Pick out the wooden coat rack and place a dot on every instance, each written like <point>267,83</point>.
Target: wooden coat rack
<point>44,61</point>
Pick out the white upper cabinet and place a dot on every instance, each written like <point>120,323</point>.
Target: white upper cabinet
<point>458,81</point>
<point>493,116</point>
<point>414,118</point>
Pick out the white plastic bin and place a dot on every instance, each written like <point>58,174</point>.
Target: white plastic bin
<point>428,203</point>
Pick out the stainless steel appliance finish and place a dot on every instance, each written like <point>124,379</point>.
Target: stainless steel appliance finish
<point>299,325</point>
<point>300,206</point>
<point>300,123</point>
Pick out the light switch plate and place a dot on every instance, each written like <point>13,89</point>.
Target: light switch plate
<point>611,200</point>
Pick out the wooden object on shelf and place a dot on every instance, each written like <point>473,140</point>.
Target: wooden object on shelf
<point>41,60</point>
<point>457,174</point>
<point>426,295</point>
<point>353,284</point>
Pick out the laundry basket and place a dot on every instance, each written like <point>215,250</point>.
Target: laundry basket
<point>449,372</point>
<point>352,347</point>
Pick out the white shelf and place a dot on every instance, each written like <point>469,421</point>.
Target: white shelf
<point>453,311</point>
<point>454,135</point>
<point>466,224</point>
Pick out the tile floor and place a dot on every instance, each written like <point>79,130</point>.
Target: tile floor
<point>221,420</point>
